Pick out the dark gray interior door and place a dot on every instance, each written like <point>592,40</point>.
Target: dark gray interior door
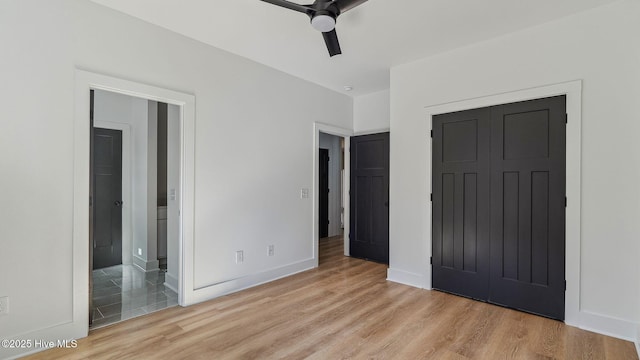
<point>107,198</point>
<point>369,197</point>
<point>323,185</point>
<point>528,205</point>
<point>499,204</point>
<point>461,203</point>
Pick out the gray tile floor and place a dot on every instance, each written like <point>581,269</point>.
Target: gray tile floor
<point>122,292</point>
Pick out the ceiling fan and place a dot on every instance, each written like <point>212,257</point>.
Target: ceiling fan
<point>323,14</point>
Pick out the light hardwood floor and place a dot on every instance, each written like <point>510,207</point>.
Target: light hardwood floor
<point>344,309</point>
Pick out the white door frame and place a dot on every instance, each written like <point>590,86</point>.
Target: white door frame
<point>573,91</point>
<point>346,135</point>
<point>86,81</point>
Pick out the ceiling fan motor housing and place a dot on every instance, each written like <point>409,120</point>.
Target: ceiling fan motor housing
<point>323,14</point>
<point>323,21</point>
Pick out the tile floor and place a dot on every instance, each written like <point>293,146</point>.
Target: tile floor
<point>122,292</point>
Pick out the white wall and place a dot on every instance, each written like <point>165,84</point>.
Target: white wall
<point>332,143</point>
<point>371,112</point>
<point>598,46</point>
<point>173,195</point>
<point>247,187</point>
<point>150,251</point>
<point>140,164</point>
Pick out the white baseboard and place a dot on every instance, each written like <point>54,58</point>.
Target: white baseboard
<point>406,278</point>
<point>44,337</point>
<point>248,281</point>
<point>171,282</point>
<point>605,325</point>
<point>145,265</point>
<point>637,342</point>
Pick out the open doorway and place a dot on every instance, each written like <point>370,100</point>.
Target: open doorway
<point>331,196</point>
<point>134,207</point>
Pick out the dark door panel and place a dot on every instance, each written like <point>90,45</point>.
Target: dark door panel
<point>461,203</point>
<point>498,204</point>
<point>369,199</point>
<point>323,184</point>
<point>107,198</point>
<point>527,205</point>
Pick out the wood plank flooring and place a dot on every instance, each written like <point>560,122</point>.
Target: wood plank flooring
<point>344,309</point>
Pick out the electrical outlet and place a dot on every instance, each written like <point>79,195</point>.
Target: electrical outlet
<point>239,257</point>
<point>4,305</point>
<point>304,193</point>
<point>140,251</point>
<point>271,251</point>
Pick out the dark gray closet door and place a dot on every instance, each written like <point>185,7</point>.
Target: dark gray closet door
<point>528,206</point>
<point>461,203</point>
<point>499,204</point>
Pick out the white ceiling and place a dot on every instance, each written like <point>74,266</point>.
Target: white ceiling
<point>374,36</point>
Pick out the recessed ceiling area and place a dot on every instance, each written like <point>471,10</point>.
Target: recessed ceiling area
<point>374,36</point>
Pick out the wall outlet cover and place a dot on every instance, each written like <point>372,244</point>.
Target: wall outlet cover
<point>304,193</point>
<point>4,305</point>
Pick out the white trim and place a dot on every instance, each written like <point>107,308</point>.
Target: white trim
<point>605,325</point>
<point>85,81</point>
<point>637,339</point>
<point>573,91</point>
<point>408,278</point>
<point>171,282</point>
<point>251,280</point>
<point>371,132</point>
<point>144,265</point>
<point>346,134</point>
<point>127,180</point>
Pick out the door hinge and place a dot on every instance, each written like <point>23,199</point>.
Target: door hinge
<point>431,260</point>
<point>566,118</point>
<point>565,201</point>
<point>565,285</point>
<point>431,197</point>
<point>431,133</point>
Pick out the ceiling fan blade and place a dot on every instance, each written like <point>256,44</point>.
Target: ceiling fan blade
<point>331,39</point>
<point>289,5</point>
<point>346,5</point>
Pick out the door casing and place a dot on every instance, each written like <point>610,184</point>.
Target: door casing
<point>345,134</point>
<point>78,326</point>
